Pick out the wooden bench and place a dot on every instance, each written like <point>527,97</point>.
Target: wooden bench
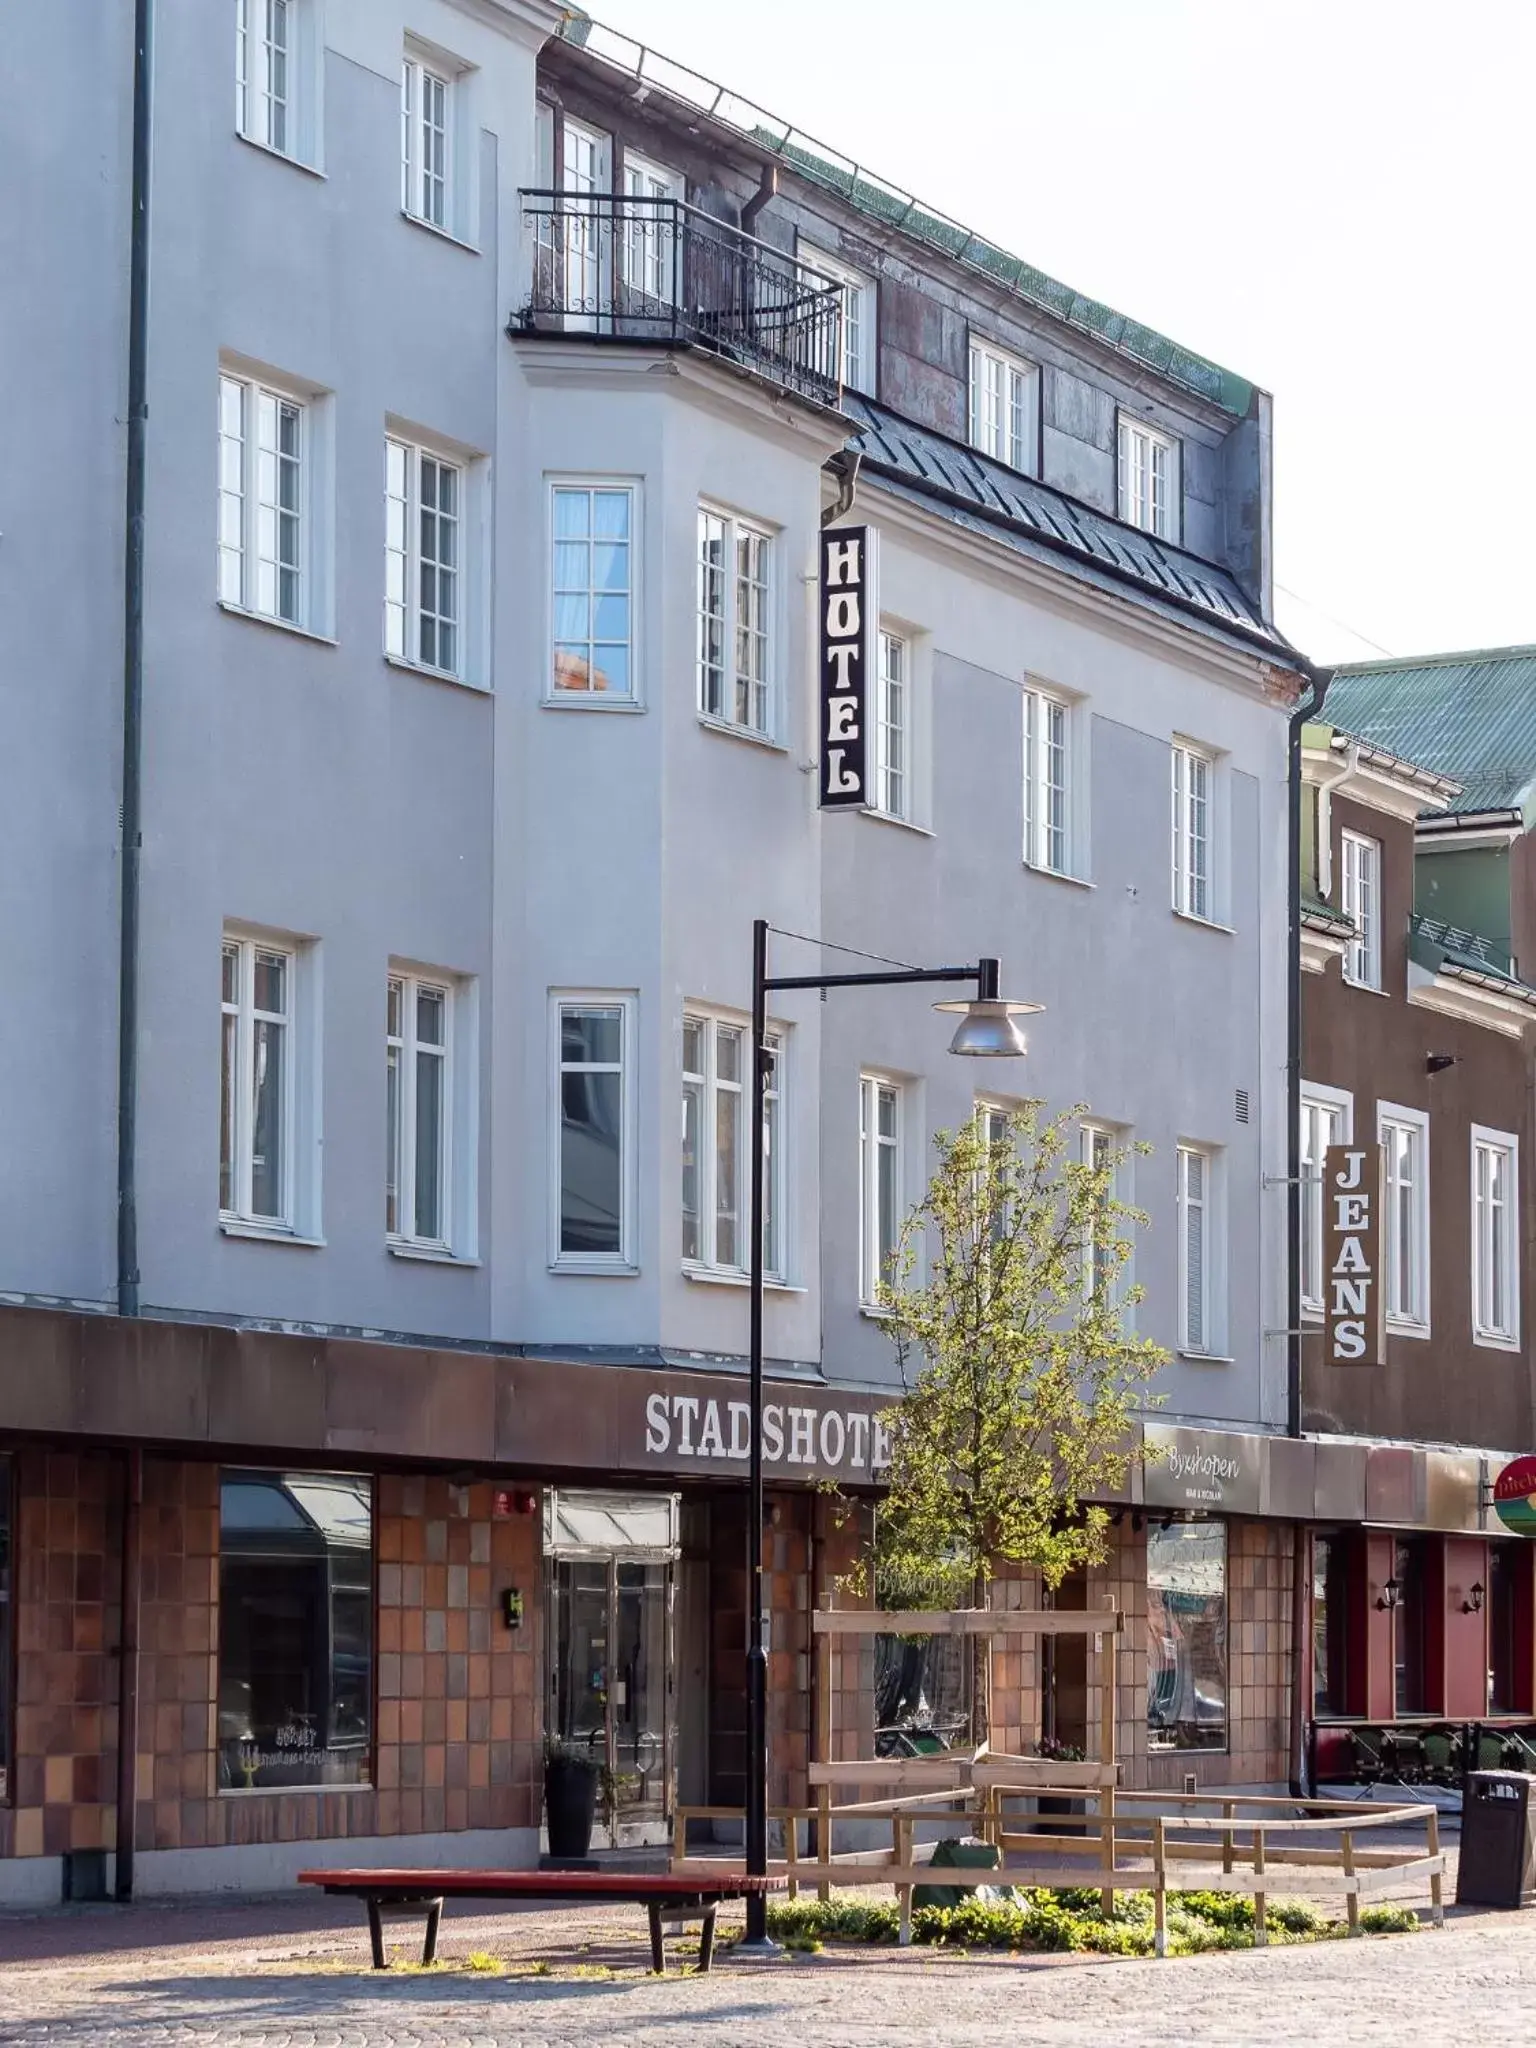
<point>419,1894</point>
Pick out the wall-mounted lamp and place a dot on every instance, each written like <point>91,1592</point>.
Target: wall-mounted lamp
<point>1391,1594</point>
<point>1473,1604</point>
<point>1437,1062</point>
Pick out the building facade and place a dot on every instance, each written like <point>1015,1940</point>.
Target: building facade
<point>1416,1040</point>
<point>499,390</point>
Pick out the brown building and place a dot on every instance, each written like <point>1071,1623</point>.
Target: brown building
<point>1416,1046</point>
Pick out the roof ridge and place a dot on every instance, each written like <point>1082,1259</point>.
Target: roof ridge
<point>1521,650</point>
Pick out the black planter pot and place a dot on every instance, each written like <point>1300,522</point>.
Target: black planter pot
<point>570,1801</point>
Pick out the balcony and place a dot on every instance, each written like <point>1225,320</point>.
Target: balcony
<point>624,267</point>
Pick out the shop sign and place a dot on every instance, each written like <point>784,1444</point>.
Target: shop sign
<point>1514,1496</point>
<point>1207,1471</point>
<point>800,1440</point>
<point>1354,1327</point>
<point>846,639</point>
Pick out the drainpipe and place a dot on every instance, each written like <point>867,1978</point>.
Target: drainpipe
<point>768,186</point>
<point>133,679</point>
<point>128,929</point>
<point>1311,705</point>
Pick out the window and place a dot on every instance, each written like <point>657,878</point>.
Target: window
<point>1047,786</point>
<point>1509,1598</point>
<point>1149,479</point>
<point>1187,1636</point>
<point>426,139</point>
<point>257,1095</point>
<point>1409,1665</point>
<point>277,75</point>
<point>7,1637</point>
<point>880,1202</point>
<point>1192,776</point>
<point>418,1110</point>
<point>1495,1237</point>
<point>1362,903</point>
<point>295,1629</point>
<point>1196,1257</point>
<point>856,368</point>
<point>594,1145</point>
<point>735,596</point>
<point>1326,1119</point>
<point>586,175</point>
<point>423,557</point>
<point>1404,1133</point>
<point>1097,1148</point>
<point>717,1162</point>
<point>893,728</point>
<point>1331,1551</point>
<point>653,247</point>
<point>1004,406</point>
<point>593,585</point>
<point>262,540</point>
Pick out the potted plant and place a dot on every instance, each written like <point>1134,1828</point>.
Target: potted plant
<point>1055,1803</point>
<point>572,1774</point>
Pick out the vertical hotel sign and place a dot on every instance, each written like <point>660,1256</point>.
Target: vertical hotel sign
<point>1354,1326</point>
<point>846,642</point>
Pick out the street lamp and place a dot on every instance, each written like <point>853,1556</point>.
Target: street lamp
<point>986,1030</point>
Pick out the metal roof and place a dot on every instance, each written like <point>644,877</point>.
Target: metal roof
<point>1470,715</point>
<point>864,190</point>
<point>1030,516</point>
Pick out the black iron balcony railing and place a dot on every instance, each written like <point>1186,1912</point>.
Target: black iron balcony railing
<point>619,264</point>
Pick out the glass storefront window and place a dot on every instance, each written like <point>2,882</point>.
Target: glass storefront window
<point>7,1638</point>
<point>1408,1628</point>
<point>1330,1624</point>
<point>1504,1574</point>
<point>1187,1636</point>
<point>295,1629</point>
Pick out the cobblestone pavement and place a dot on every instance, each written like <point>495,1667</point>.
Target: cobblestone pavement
<point>293,1974</point>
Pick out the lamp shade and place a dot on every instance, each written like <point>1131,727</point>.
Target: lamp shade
<point>987,1029</point>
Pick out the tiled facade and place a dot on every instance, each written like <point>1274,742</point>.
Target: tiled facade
<point>456,1736</point>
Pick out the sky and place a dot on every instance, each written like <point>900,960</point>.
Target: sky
<point>1334,200</point>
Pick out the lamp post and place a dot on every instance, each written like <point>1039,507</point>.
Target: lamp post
<point>987,1031</point>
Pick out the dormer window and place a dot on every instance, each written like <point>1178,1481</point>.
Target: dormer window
<point>1149,479</point>
<point>1005,407</point>
<point>857,369</point>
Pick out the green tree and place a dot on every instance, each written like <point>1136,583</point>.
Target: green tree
<point>1007,1300</point>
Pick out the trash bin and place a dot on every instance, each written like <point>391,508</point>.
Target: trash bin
<point>1498,1855</point>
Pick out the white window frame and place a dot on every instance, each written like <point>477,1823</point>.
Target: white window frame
<point>1336,1107</point>
<point>650,239</point>
<point>412,634</point>
<point>457,1166</point>
<point>297,1215</point>
<point>1208,1340</point>
<point>1094,1135</point>
<point>625,1260</point>
<point>860,341</point>
<point>1495,1324</point>
<point>587,237</point>
<point>1360,899</point>
<point>1003,413</point>
<point>1415,1320</point>
<point>588,699</point>
<point>1055,845</point>
<point>871,1144</point>
<point>283,122</point>
<point>761,723</point>
<point>250,402</point>
<point>1195,842</point>
<point>1151,504</point>
<point>704,1084</point>
<point>893,792</point>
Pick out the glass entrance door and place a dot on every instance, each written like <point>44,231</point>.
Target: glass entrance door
<point>611,1683</point>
